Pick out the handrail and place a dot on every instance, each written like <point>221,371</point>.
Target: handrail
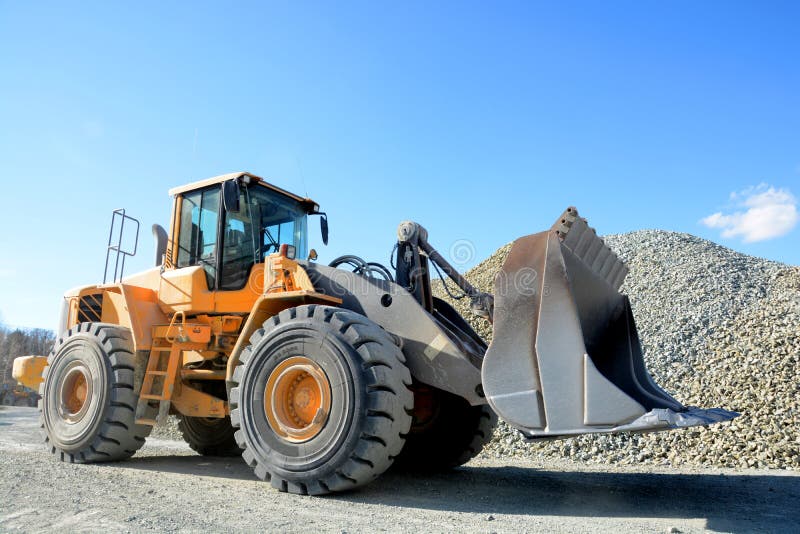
<point>119,269</point>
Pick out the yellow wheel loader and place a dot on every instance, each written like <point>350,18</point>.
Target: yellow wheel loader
<point>322,376</point>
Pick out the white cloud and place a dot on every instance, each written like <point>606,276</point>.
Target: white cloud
<point>762,212</point>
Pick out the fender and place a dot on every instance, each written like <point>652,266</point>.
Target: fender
<point>131,306</point>
<point>288,286</point>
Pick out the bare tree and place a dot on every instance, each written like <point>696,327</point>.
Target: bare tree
<point>22,342</point>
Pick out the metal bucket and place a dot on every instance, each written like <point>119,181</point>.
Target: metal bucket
<point>565,357</point>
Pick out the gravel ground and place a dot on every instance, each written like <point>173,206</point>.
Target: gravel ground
<point>718,328</point>
<point>165,487</point>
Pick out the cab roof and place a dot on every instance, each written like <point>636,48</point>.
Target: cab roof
<point>233,175</point>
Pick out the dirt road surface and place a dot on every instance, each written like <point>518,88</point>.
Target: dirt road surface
<point>167,487</point>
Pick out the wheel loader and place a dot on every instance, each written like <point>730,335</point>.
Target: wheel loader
<point>323,376</point>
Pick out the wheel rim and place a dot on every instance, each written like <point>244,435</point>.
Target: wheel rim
<point>427,406</point>
<point>74,393</point>
<point>297,399</point>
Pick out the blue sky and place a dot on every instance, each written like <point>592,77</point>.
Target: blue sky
<point>480,120</point>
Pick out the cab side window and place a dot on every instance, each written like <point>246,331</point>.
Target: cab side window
<point>197,239</point>
<point>239,251</point>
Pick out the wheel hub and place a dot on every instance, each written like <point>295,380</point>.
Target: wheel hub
<point>297,399</point>
<point>74,393</point>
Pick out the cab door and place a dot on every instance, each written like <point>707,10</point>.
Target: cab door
<point>189,282</point>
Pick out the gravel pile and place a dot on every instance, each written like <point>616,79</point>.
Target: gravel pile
<point>718,328</point>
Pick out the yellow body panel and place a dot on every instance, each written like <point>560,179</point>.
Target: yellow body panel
<point>135,308</point>
<point>195,403</point>
<point>205,324</point>
<point>175,309</point>
<point>185,290</point>
<point>27,370</point>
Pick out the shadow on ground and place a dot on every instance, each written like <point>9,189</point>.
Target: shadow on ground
<point>729,503</point>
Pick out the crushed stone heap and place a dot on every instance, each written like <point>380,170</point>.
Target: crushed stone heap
<point>718,328</point>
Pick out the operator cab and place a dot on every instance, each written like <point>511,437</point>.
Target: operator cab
<point>230,223</point>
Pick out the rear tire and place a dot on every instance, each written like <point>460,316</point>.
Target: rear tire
<point>209,436</point>
<point>356,432</point>
<point>446,431</point>
<point>88,401</point>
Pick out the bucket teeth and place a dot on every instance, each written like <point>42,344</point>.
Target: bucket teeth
<point>582,240</point>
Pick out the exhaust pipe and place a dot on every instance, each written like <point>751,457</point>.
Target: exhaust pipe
<point>565,357</point>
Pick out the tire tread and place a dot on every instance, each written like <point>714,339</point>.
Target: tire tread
<point>388,400</point>
<point>209,441</point>
<point>118,420</point>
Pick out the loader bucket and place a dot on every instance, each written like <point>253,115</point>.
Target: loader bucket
<point>565,356</point>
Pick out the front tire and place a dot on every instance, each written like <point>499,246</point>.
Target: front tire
<point>321,400</point>
<point>88,401</point>
<point>446,431</point>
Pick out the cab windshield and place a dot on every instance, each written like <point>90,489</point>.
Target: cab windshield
<point>266,219</point>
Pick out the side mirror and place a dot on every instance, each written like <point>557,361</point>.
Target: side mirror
<point>312,255</point>
<point>323,226</point>
<point>230,195</point>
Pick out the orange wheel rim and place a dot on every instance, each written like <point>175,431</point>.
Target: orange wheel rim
<point>297,399</point>
<point>75,390</point>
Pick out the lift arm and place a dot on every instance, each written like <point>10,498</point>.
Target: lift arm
<point>413,253</point>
